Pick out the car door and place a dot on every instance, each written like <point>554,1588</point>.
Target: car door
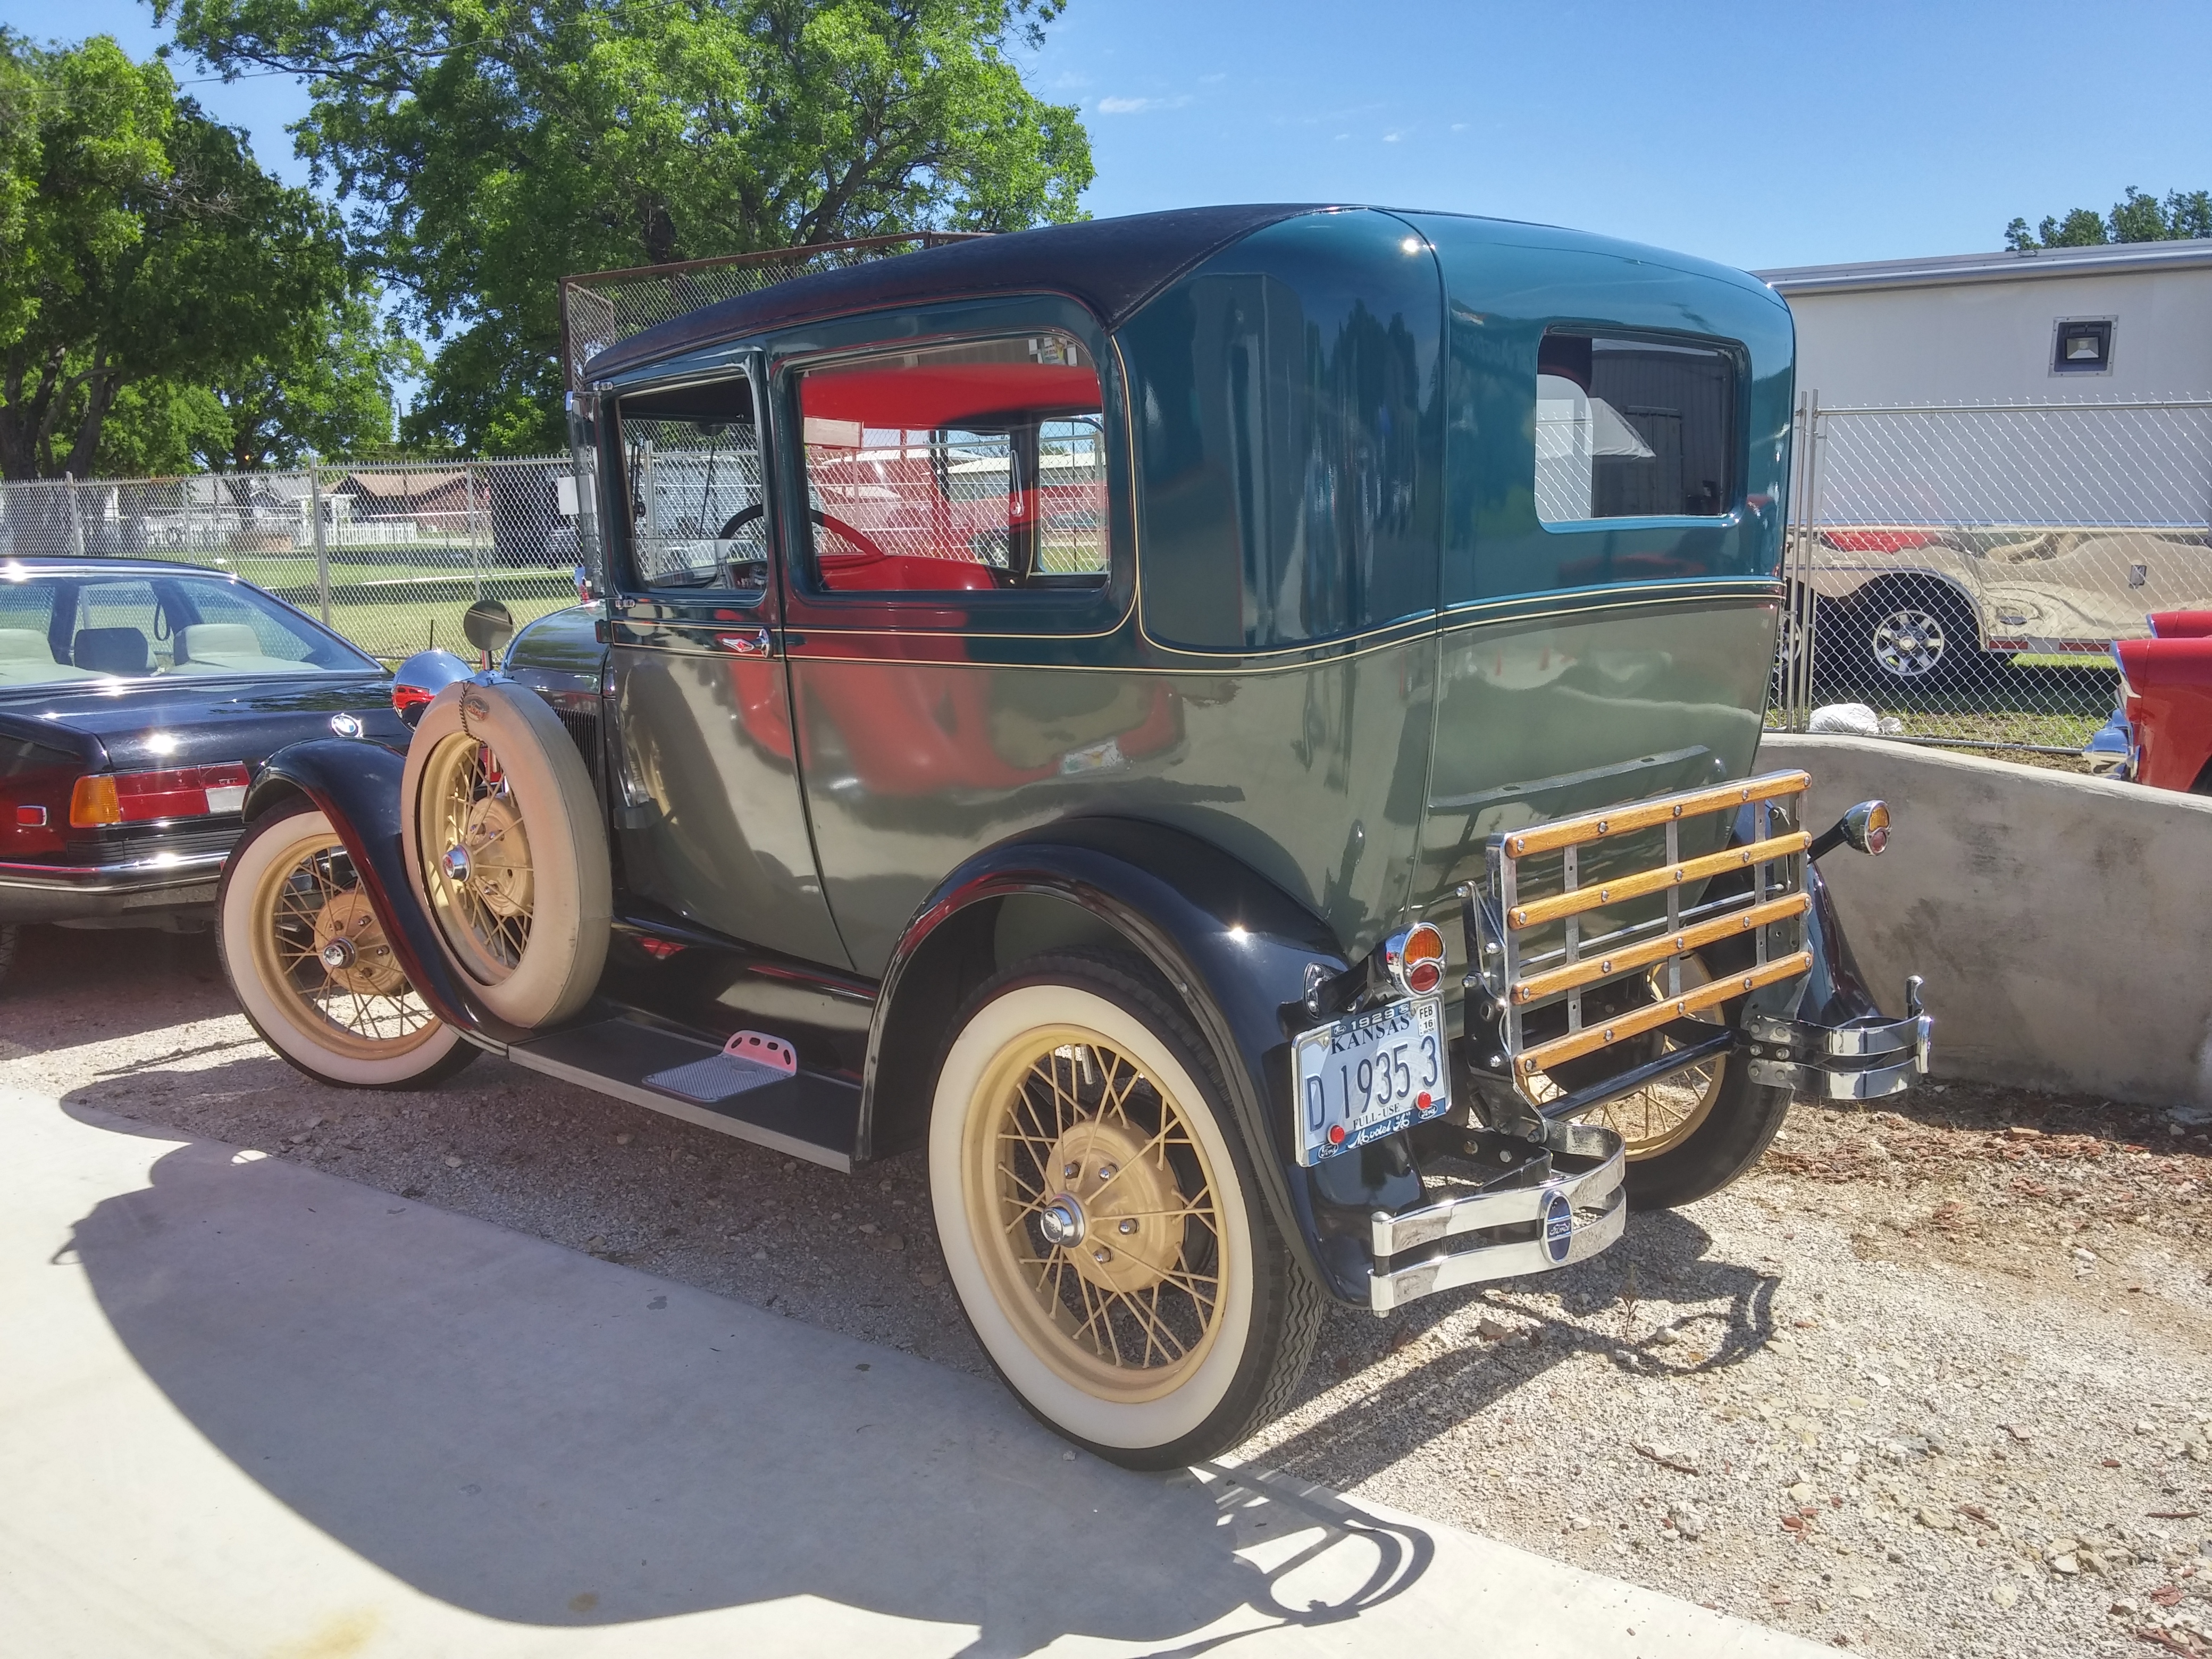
<point>949,596</point>
<point>707,812</point>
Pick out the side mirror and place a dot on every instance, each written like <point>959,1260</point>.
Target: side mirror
<point>1865,827</point>
<point>489,625</point>
<point>421,677</point>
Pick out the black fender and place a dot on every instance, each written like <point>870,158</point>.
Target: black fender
<point>356,785</point>
<point>1833,993</point>
<point>1234,945</point>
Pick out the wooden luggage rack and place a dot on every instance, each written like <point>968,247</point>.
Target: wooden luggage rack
<point>1508,981</point>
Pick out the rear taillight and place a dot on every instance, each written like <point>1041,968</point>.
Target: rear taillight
<point>182,791</point>
<point>34,808</point>
<point>1415,959</point>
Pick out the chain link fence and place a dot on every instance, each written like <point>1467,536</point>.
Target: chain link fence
<point>603,308</point>
<point>389,556</point>
<point>1960,571</point>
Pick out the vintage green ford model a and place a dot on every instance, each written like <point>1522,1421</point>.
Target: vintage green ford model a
<point>1235,731</point>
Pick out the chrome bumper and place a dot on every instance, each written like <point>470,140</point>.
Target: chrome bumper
<point>57,892</point>
<point>1848,1062</point>
<point>1509,1231</point>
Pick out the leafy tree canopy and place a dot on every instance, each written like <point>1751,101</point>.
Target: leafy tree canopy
<point>486,147</point>
<point>147,262</point>
<point>324,385</point>
<point>2135,218</point>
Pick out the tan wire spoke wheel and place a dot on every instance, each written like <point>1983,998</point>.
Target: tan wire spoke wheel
<point>1096,1226</point>
<point>1660,1117</point>
<point>312,968</point>
<point>503,837</point>
<point>1689,1135</point>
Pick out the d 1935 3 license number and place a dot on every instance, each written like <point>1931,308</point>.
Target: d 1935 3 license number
<point>1371,1074</point>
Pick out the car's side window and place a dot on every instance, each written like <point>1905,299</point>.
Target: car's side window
<point>974,466</point>
<point>690,462</point>
<point>1633,429</point>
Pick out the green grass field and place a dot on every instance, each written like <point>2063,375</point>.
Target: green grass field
<point>2018,703</point>
<point>392,602</point>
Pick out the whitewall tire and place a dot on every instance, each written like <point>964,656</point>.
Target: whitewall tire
<point>507,851</point>
<point>1099,1219</point>
<point>310,965</point>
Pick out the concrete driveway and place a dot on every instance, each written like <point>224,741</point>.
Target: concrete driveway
<point>246,1407</point>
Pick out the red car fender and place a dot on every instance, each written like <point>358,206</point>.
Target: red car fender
<point>2169,706</point>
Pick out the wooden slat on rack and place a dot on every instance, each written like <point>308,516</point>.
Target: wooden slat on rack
<point>1620,889</point>
<point>1598,964</point>
<point>1711,994</point>
<point>1597,826</point>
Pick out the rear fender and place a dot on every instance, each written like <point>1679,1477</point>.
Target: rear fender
<point>356,785</point>
<point>1232,944</point>
<point>1834,993</point>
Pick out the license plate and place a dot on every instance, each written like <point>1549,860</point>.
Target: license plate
<point>1369,1075</point>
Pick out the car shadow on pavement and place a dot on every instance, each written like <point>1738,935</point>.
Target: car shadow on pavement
<point>1661,1266</point>
<point>532,1435</point>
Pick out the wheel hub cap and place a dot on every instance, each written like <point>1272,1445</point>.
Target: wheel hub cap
<point>1909,642</point>
<point>1061,1222</point>
<point>350,944</point>
<point>495,856</point>
<point>1120,1219</point>
<point>456,866</point>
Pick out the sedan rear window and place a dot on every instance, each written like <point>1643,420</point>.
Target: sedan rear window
<point>58,629</point>
<point>1630,429</point>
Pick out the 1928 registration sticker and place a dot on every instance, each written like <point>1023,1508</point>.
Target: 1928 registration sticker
<point>1371,1074</point>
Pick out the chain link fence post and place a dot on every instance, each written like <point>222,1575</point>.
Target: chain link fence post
<point>322,540</point>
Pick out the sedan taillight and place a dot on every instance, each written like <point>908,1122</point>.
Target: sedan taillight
<point>34,804</point>
<point>182,791</point>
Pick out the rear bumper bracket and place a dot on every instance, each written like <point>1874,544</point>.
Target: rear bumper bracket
<point>1867,1061</point>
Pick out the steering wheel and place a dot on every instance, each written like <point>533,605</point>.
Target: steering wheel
<point>745,515</point>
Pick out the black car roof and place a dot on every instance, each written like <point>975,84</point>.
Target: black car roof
<point>1112,265</point>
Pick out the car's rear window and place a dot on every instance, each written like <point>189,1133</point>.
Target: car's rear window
<point>1630,429</point>
<point>55,629</point>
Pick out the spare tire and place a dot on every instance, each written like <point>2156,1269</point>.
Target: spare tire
<point>507,850</point>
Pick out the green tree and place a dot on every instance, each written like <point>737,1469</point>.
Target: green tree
<point>325,385</point>
<point>139,243</point>
<point>486,147</point>
<point>2135,218</point>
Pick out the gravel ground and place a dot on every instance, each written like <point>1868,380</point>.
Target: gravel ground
<point>1928,1382</point>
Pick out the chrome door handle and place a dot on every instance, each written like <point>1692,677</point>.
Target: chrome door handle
<point>745,642</point>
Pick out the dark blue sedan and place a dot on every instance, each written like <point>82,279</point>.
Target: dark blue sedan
<point>137,702</point>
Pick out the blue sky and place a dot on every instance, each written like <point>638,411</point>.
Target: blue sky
<point>1760,135</point>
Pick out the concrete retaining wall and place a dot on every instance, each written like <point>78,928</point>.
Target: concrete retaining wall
<point>2063,923</point>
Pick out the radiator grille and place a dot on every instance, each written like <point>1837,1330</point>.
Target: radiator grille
<point>583,727</point>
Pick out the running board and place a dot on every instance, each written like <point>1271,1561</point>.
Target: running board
<point>809,1115</point>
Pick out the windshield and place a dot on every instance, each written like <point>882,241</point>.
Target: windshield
<point>76,626</point>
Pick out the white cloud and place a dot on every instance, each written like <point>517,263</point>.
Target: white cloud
<point>1139,105</point>
<point>1459,127</point>
<point>1211,80</point>
<point>1391,137</point>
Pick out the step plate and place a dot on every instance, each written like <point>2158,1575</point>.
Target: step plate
<point>808,1116</point>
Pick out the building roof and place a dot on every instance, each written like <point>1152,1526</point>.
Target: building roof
<point>1111,266</point>
<point>2027,265</point>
